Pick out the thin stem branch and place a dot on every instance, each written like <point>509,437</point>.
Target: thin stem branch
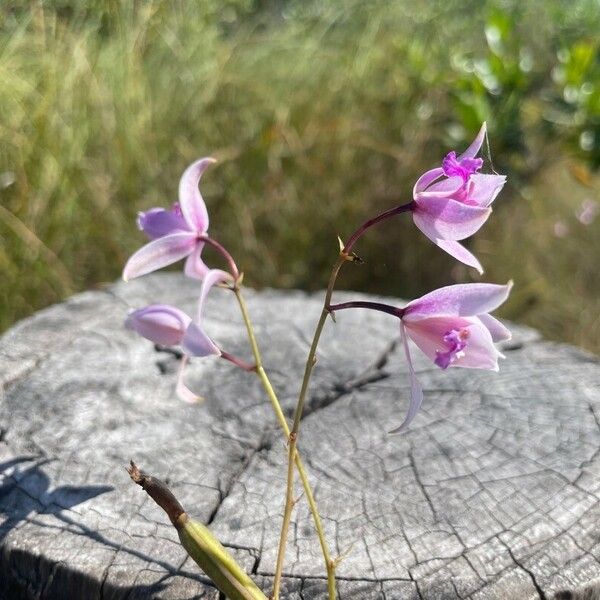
<point>293,437</point>
<point>296,458</point>
<point>238,362</point>
<point>386,308</point>
<point>224,253</point>
<point>285,526</point>
<point>345,256</point>
<point>392,212</point>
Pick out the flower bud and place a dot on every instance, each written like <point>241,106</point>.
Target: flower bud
<point>159,323</point>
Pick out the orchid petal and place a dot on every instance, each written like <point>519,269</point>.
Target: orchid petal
<point>196,343</point>
<point>458,251</point>
<point>446,188</point>
<point>416,391</point>
<point>473,149</point>
<point>158,222</point>
<point>159,253</point>
<point>497,330</point>
<point>447,219</point>
<point>194,265</point>
<point>462,300</point>
<point>483,188</point>
<point>426,180</point>
<point>213,277</point>
<point>190,200</point>
<point>159,323</point>
<point>480,352</point>
<point>183,392</point>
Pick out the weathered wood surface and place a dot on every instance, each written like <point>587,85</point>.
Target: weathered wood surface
<point>492,493</point>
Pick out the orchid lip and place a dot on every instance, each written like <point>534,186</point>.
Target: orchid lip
<point>457,339</point>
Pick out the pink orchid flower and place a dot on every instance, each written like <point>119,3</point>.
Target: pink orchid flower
<point>175,233</point>
<point>453,201</point>
<point>452,326</point>
<point>167,325</point>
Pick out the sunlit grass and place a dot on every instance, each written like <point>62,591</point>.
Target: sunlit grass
<point>319,113</point>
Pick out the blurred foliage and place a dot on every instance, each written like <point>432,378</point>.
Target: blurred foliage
<point>321,113</point>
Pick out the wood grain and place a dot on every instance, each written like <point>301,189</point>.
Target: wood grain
<point>493,493</point>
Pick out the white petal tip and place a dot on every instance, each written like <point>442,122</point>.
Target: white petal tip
<point>191,399</point>
<point>186,395</point>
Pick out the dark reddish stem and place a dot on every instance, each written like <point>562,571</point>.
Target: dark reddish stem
<point>386,308</point>
<point>392,212</point>
<point>158,491</point>
<point>224,253</point>
<point>238,362</point>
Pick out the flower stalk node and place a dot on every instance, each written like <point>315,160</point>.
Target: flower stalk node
<point>351,257</point>
<point>335,562</point>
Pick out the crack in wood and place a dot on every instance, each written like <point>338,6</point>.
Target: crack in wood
<point>536,585</point>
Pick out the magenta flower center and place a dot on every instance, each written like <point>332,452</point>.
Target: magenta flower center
<point>464,167</point>
<point>456,342</point>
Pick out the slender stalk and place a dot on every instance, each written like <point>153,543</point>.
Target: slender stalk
<point>392,212</point>
<point>238,362</point>
<point>296,458</point>
<point>293,437</point>
<point>224,253</point>
<point>386,308</point>
<point>285,526</point>
<point>345,256</point>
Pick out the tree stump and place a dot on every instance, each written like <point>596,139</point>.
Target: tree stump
<point>491,494</point>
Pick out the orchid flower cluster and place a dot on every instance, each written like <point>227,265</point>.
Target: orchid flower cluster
<point>451,326</point>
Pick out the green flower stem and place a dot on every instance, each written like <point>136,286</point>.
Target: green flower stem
<point>293,437</point>
<point>285,527</point>
<point>295,458</point>
<point>345,255</point>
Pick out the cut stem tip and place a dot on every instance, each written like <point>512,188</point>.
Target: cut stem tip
<point>158,491</point>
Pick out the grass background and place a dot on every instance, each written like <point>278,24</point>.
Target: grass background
<point>321,113</point>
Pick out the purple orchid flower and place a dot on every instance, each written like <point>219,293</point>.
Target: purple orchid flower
<point>175,233</point>
<point>167,325</point>
<point>452,326</point>
<point>453,201</point>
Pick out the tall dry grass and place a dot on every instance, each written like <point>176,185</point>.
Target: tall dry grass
<point>320,113</point>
